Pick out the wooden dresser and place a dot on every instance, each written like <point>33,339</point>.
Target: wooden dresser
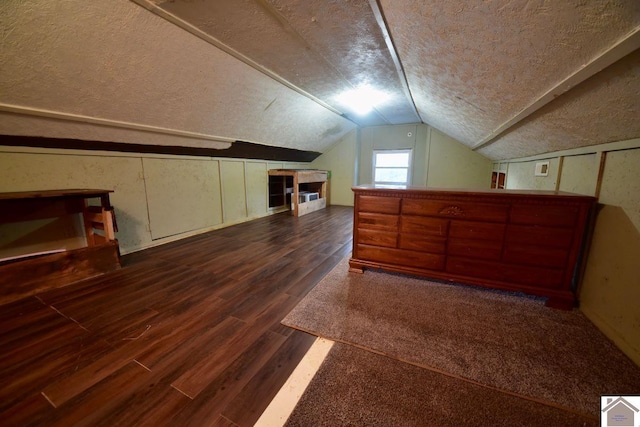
<point>526,241</point>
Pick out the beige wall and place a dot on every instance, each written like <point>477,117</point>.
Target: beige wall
<point>184,189</point>
<point>580,174</point>
<point>453,165</point>
<point>521,176</point>
<point>156,198</point>
<point>340,161</point>
<point>389,138</point>
<point>610,289</point>
<point>438,160</point>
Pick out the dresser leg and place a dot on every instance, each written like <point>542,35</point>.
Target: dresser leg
<point>355,267</point>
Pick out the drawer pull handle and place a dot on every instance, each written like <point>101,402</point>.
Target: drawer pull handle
<point>452,210</point>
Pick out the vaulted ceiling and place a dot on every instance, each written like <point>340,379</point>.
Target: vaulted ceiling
<point>508,78</point>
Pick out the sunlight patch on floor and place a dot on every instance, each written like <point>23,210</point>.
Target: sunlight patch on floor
<point>283,403</point>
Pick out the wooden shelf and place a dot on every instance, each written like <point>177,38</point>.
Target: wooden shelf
<point>311,180</point>
<point>30,273</point>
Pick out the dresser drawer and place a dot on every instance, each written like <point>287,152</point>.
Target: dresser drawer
<point>544,215</point>
<point>477,230</point>
<point>422,243</point>
<point>423,225</point>
<point>550,278</point>
<point>510,274</point>
<point>535,255</point>
<point>414,259</point>
<point>452,209</point>
<point>374,221</point>
<point>377,238</point>
<point>477,249</point>
<point>532,235</point>
<point>386,205</point>
<point>526,241</point>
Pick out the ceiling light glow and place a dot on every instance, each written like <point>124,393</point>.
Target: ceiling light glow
<point>362,99</point>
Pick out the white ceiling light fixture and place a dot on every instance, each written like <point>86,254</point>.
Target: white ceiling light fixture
<point>362,99</point>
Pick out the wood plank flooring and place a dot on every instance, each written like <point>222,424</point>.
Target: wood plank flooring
<point>187,333</point>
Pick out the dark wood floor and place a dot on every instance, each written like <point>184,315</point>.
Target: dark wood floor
<point>187,333</point>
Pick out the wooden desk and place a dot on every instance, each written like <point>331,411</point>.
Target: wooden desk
<point>30,273</point>
<point>304,180</point>
<point>524,241</point>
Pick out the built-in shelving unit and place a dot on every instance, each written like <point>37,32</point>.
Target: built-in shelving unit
<point>304,190</point>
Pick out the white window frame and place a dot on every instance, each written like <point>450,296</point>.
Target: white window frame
<point>392,184</point>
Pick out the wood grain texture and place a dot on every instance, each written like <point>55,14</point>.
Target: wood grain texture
<point>30,276</point>
<point>187,333</point>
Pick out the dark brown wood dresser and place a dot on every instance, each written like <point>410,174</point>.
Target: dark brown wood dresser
<point>523,241</point>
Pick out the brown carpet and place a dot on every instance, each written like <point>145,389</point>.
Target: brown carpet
<point>355,387</point>
<point>504,341</point>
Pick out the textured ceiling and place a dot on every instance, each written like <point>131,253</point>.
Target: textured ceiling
<point>507,78</point>
<point>322,47</point>
<point>473,66</point>
<point>113,71</point>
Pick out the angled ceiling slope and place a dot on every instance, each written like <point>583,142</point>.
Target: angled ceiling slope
<point>498,75</point>
<point>320,48</point>
<point>508,78</point>
<point>114,72</point>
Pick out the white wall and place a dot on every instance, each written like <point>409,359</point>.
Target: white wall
<point>610,291</point>
<point>156,198</point>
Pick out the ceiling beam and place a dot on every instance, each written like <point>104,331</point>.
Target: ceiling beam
<point>382,23</point>
<point>617,51</point>
<point>220,142</point>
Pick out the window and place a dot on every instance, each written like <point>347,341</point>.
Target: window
<point>392,168</point>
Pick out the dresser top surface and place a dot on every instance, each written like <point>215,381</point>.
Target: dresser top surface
<point>402,190</point>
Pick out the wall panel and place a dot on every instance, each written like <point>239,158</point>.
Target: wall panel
<point>182,195</point>
<point>521,176</point>
<point>257,181</point>
<point>233,191</point>
<point>580,174</point>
